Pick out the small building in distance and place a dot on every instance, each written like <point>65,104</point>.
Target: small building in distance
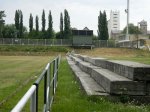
<point>82,37</point>
<point>143,26</point>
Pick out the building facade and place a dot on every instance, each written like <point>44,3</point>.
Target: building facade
<point>143,26</point>
<point>114,22</point>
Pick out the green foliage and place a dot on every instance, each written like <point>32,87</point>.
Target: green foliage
<point>102,26</point>
<point>61,26</point>
<point>58,35</point>
<point>21,25</point>
<point>37,24</point>
<point>9,31</point>
<point>2,15</point>
<point>105,36</point>
<point>2,22</point>
<point>50,26</point>
<point>132,29</point>
<point>67,27</point>
<point>18,48</point>
<point>31,23</point>
<point>43,21</point>
<point>17,19</point>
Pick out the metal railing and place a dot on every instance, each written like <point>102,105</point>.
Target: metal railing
<point>50,78</point>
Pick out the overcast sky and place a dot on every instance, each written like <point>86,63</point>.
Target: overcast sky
<point>82,12</point>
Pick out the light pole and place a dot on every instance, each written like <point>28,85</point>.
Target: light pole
<point>127,30</point>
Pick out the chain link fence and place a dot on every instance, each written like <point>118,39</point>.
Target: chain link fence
<point>53,42</point>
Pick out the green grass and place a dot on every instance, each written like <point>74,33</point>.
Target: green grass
<point>70,98</point>
<point>32,50</point>
<point>14,71</point>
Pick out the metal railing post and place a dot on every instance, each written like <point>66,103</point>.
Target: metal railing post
<point>33,103</point>
<point>48,87</point>
<point>37,89</point>
<point>54,76</point>
<point>57,69</point>
<point>45,90</point>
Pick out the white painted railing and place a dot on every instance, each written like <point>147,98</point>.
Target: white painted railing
<point>49,85</point>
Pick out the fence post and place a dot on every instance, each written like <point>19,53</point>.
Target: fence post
<point>37,42</point>
<point>107,43</point>
<point>45,90</point>
<point>48,88</point>
<point>37,89</point>
<point>54,76</point>
<point>57,69</point>
<point>20,41</point>
<point>28,41</point>
<point>3,41</point>
<point>33,102</point>
<point>61,42</point>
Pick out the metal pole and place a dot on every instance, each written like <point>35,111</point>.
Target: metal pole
<point>127,11</point>
<point>33,102</point>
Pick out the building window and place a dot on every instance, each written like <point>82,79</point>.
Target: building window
<point>115,24</point>
<point>115,14</point>
<point>115,20</point>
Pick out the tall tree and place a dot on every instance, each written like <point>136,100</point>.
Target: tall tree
<point>37,23</point>
<point>17,19</point>
<point>102,26</point>
<point>67,27</point>
<point>43,21</point>
<point>21,24</point>
<point>50,25</point>
<point>99,26</point>
<point>2,21</point>
<point>31,23</point>
<point>61,26</point>
<point>105,32</point>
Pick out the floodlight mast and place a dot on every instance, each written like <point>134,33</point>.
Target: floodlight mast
<point>127,30</point>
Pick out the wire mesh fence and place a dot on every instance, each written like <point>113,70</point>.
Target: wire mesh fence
<point>53,42</point>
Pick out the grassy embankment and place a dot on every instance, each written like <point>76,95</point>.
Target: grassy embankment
<point>119,54</point>
<point>32,50</point>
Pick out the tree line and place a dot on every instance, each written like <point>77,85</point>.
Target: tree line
<point>18,30</point>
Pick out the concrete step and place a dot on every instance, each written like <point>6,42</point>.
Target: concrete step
<point>132,70</point>
<point>116,84</point>
<point>87,82</point>
<point>112,82</point>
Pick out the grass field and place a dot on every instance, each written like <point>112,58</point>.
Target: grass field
<point>14,72</point>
